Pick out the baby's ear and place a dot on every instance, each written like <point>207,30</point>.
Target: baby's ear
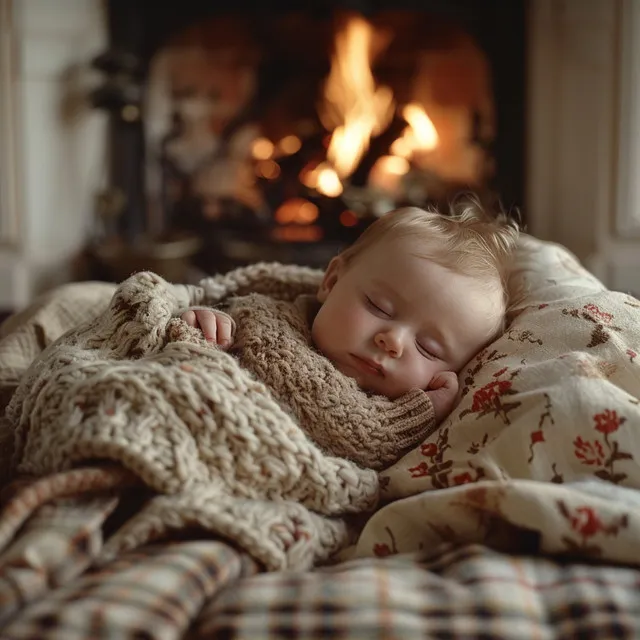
<point>331,276</point>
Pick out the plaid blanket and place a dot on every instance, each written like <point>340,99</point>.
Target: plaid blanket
<point>197,588</point>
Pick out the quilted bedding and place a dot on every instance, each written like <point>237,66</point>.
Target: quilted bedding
<point>519,517</point>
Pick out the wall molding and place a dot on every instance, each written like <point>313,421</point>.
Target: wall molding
<point>627,218</point>
<point>10,161</point>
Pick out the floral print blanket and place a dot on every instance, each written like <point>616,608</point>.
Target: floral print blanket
<point>543,450</point>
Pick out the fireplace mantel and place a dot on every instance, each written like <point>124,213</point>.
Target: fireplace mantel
<point>583,106</point>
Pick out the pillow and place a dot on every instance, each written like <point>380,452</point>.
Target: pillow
<point>553,400</point>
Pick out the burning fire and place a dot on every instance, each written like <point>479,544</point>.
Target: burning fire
<point>323,179</point>
<point>354,108</point>
<point>420,135</point>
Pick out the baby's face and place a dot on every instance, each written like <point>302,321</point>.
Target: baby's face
<point>392,320</point>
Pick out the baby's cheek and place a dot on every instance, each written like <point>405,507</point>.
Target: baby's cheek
<point>360,321</point>
<point>426,373</point>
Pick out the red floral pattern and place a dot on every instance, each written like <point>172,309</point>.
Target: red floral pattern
<point>598,314</point>
<point>524,335</point>
<point>589,453</point>
<point>601,332</point>
<point>537,436</point>
<point>429,449</point>
<point>608,421</point>
<point>484,358</point>
<point>606,454</point>
<point>586,524</point>
<point>463,478</point>
<point>485,398</point>
<point>419,470</point>
<point>490,399</point>
<point>384,549</point>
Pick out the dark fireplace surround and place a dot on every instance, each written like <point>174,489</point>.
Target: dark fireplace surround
<point>141,29</point>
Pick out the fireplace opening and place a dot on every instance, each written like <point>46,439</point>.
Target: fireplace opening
<point>282,135</point>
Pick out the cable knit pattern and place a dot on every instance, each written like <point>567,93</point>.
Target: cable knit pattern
<point>280,281</point>
<point>273,341</point>
<point>138,387</point>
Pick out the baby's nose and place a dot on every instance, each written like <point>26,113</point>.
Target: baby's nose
<point>389,341</point>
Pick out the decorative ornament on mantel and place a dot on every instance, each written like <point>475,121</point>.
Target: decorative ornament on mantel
<point>124,248</point>
<point>121,93</point>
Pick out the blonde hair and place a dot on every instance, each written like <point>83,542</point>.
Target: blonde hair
<point>468,241</point>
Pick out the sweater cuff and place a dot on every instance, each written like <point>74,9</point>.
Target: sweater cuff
<point>411,418</point>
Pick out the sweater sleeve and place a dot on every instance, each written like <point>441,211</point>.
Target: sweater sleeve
<point>278,281</point>
<point>273,341</point>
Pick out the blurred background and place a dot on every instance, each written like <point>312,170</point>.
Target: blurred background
<point>200,135</point>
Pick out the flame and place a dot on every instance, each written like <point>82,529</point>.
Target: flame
<point>324,179</point>
<point>419,137</point>
<point>328,182</point>
<point>386,174</point>
<point>422,132</point>
<point>353,108</point>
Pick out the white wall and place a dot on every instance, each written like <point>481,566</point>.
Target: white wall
<point>584,132</point>
<point>60,143</point>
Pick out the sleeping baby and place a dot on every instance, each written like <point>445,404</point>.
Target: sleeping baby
<point>368,367</point>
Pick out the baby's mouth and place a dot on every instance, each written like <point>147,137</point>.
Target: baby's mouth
<point>368,366</point>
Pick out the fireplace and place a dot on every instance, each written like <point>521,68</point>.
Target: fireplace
<point>281,134</point>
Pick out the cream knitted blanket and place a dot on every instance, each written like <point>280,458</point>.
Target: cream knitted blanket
<point>138,389</point>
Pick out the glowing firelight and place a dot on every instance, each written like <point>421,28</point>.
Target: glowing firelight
<point>423,133</point>
<point>348,218</point>
<point>296,211</point>
<point>419,137</point>
<point>387,173</point>
<point>328,183</point>
<point>268,169</point>
<point>354,108</point>
<point>323,179</point>
<point>262,149</point>
<point>289,145</point>
<point>401,147</point>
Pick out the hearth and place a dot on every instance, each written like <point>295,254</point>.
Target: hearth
<point>281,133</point>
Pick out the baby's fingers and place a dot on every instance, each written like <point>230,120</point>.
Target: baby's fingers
<point>190,318</point>
<point>225,330</point>
<point>444,379</point>
<point>208,323</point>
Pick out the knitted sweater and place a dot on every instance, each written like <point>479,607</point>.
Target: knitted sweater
<point>273,341</point>
<point>138,389</point>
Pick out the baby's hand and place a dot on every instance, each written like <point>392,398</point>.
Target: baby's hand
<point>443,390</point>
<point>216,326</point>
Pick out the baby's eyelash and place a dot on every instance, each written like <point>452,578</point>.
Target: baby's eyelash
<point>374,306</point>
<point>426,352</point>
